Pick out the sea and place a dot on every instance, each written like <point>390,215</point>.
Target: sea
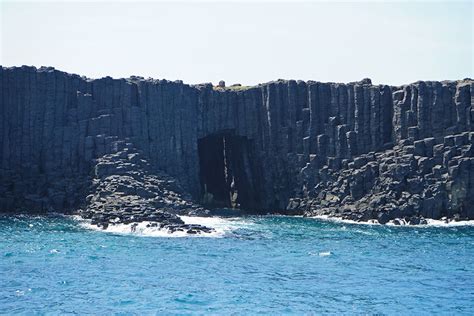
<point>275,265</point>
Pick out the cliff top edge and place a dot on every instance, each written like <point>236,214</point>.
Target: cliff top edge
<point>232,88</point>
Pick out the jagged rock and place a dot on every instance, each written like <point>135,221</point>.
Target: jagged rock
<point>127,190</point>
<point>444,191</point>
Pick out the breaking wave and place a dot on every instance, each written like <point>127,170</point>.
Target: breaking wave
<point>430,222</point>
<point>221,226</point>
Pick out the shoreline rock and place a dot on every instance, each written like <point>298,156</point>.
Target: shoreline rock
<point>127,190</point>
<point>396,184</point>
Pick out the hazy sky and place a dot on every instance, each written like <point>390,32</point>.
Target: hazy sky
<point>244,42</point>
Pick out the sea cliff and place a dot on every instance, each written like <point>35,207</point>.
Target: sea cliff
<point>127,150</point>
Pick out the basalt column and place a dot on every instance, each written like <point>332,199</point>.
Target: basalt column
<point>250,146</point>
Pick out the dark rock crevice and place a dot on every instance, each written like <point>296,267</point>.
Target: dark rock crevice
<point>227,172</point>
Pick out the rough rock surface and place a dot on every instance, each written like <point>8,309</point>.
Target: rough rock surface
<point>127,190</point>
<point>412,181</point>
<point>290,146</point>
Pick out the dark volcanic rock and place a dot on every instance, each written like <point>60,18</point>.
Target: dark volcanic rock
<point>357,150</point>
<point>126,189</point>
<point>400,185</point>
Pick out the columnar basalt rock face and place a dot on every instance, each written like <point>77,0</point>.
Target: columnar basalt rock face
<point>56,126</point>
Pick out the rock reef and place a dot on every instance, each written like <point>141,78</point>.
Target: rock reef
<point>126,189</point>
<point>144,149</point>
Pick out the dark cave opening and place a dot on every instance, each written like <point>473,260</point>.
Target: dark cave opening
<point>227,172</point>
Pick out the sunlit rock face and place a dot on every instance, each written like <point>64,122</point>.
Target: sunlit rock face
<point>355,150</point>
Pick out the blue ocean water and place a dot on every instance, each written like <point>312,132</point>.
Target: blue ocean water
<point>273,265</point>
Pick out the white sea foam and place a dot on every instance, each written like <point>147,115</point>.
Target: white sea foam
<point>435,223</point>
<point>430,222</point>
<point>221,226</point>
<point>442,223</point>
<point>341,220</point>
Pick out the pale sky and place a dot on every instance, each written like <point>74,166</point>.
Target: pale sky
<point>243,42</point>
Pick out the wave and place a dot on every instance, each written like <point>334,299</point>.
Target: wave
<point>442,223</point>
<point>221,226</point>
<point>342,220</point>
<point>430,222</point>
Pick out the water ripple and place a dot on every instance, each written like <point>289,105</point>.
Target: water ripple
<point>269,265</point>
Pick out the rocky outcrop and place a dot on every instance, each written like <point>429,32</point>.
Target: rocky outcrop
<point>280,146</point>
<point>127,190</point>
<point>412,181</point>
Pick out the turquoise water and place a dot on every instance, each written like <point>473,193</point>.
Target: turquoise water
<point>273,265</point>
